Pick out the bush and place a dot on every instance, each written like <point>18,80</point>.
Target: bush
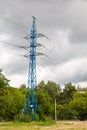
<point>66,113</point>
<point>23,118</point>
<point>1,119</point>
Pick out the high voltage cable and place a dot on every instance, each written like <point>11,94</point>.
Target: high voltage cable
<point>13,35</point>
<point>56,61</point>
<point>7,19</point>
<point>18,9</point>
<point>23,13</point>
<point>15,54</point>
<point>26,56</point>
<point>68,68</point>
<point>19,46</point>
<point>26,47</point>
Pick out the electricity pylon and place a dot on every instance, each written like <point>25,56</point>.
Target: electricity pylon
<point>32,105</point>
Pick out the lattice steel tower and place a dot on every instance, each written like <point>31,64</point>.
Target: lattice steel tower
<point>32,99</point>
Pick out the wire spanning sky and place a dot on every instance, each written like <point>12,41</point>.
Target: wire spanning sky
<point>64,22</point>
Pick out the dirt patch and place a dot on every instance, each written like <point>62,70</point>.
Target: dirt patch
<point>67,125</point>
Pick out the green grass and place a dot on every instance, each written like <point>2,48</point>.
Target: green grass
<point>47,123</point>
<point>26,126</point>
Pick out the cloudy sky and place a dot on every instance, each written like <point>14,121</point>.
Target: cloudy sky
<point>64,22</point>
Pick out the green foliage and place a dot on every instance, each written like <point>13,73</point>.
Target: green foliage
<point>52,89</point>
<point>41,85</point>
<point>11,103</point>
<point>4,82</point>
<point>44,102</point>
<point>79,105</point>
<point>22,87</point>
<point>11,100</point>
<point>65,113</point>
<point>23,118</point>
<point>68,92</point>
<point>71,102</point>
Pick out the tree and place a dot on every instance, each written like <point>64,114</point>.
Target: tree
<point>65,112</point>
<point>4,82</point>
<point>52,89</point>
<point>68,92</point>
<point>41,85</point>
<point>44,103</point>
<point>23,86</point>
<point>79,105</point>
<point>11,99</point>
<point>47,94</point>
<point>11,103</point>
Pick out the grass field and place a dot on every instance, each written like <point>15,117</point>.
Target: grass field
<point>60,125</point>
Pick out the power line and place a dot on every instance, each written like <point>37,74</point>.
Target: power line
<point>9,33</point>
<point>18,9</point>
<point>11,21</point>
<point>24,14</point>
<point>19,46</point>
<point>38,54</point>
<point>67,68</point>
<point>15,35</point>
<point>21,11</point>
<point>14,54</point>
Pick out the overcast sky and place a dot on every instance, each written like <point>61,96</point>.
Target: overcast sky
<point>64,22</point>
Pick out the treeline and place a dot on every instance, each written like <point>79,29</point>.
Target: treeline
<point>71,101</point>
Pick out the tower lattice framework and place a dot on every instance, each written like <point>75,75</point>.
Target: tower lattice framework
<point>32,98</point>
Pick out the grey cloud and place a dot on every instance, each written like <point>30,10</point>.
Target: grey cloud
<point>76,79</point>
<point>52,16</point>
<point>59,14</point>
<point>16,65</point>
